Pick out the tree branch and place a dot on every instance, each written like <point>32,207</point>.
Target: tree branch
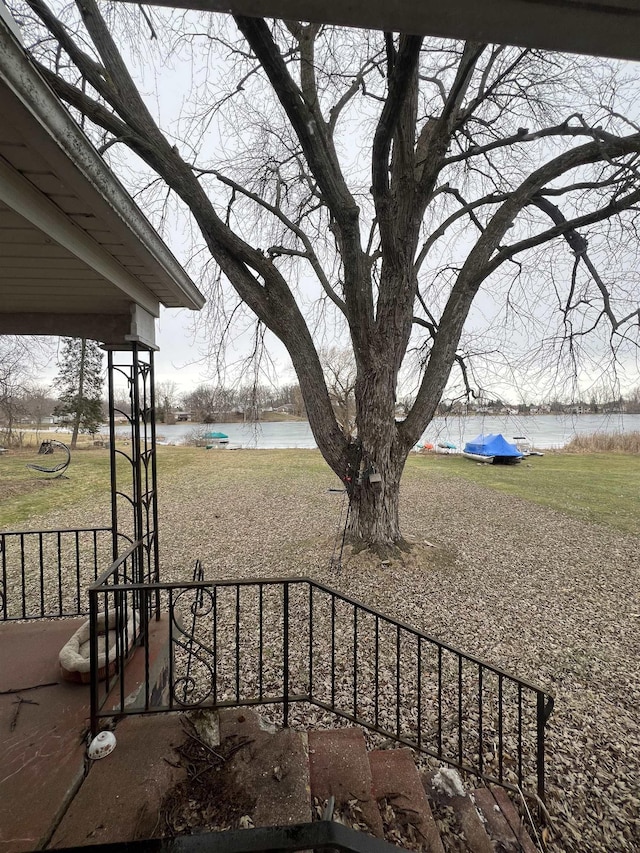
<point>480,264</point>
<point>308,253</point>
<point>402,70</point>
<point>615,206</point>
<point>91,70</point>
<point>435,136</point>
<point>467,208</point>
<point>524,135</point>
<point>311,133</point>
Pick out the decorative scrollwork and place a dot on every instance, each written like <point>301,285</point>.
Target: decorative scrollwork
<point>198,601</point>
<point>193,659</point>
<point>195,683</point>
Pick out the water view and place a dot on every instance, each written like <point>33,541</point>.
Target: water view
<point>544,431</point>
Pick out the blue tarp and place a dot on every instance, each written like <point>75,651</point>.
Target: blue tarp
<point>492,445</point>
<point>217,435</point>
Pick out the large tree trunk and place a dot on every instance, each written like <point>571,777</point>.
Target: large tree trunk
<point>375,485</point>
<point>374,517</point>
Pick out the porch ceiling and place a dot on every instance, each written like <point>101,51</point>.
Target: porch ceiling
<point>599,27</point>
<point>77,256</point>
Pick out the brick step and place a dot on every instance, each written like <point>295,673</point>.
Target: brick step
<point>267,776</point>
<point>272,768</point>
<point>259,775</point>
<point>502,821</point>
<point>339,767</point>
<point>456,811</point>
<point>401,797</point>
<point>382,792</point>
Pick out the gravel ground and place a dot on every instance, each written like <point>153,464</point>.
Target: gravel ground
<point>544,596</point>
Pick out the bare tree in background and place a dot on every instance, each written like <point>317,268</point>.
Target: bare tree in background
<point>422,186</point>
<point>340,374</point>
<point>21,359</point>
<point>167,396</point>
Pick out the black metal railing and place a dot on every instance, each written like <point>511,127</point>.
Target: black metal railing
<point>45,574</point>
<point>277,641</point>
<point>122,602</point>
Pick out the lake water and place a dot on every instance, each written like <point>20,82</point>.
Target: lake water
<point>544,431</point>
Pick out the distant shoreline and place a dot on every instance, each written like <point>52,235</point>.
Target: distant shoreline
<point>543,432</point>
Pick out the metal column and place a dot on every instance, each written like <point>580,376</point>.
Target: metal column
<point>132,433</point>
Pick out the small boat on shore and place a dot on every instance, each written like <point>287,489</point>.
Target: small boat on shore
<point>215,439</point>
<point>492,449</point>
<point>525,447</point>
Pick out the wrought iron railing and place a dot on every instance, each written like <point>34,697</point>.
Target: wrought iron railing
<point>286,641</point>
<point>122,602</point>
<point>45,574</point>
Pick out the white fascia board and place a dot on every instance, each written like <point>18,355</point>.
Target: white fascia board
<point>21,196</point>
<point>7,18</point>
<point>72,150</point>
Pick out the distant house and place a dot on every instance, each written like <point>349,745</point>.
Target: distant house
<point>183,416</point>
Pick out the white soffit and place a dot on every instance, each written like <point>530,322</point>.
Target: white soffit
<point>73,244</point>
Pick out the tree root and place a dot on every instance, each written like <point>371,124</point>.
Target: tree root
<point>394,551</point>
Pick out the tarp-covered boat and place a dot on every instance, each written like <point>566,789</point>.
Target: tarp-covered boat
<point>492,448</point>
<point>216,438</point>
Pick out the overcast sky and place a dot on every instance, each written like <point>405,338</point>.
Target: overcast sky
<point>180,358</point>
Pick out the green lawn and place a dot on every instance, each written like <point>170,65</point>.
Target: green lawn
<point>600,488</point>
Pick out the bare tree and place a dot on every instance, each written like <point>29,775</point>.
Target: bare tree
<point>252,399</point>
<point>422,185</point>
<point>38,403</point>
<point>167,395</point>
<point>21,358</point>
<point>201,402</point>
<point>340,375</point>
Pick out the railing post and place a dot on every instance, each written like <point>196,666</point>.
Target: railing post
<point>285,655</point>
<point>93,652</point>
<point>540,723</point>
<point>310,668</point>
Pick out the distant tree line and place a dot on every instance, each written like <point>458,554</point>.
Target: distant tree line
<point>211,402</point>
<point>594,404</point>
<point>77,395</point>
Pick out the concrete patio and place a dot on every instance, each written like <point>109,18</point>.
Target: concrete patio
<point>51,795</point>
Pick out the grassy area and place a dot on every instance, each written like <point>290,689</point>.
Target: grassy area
<point>26,494</point>
<point>605,442</point>
<point>601,488</point>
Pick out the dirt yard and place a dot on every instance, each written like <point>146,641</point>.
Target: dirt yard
<point>543,596</point>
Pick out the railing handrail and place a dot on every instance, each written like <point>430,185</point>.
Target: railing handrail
<point>173,585</point>
<point>99,582</point>
<point>140,594</point>
<point>88,529</point>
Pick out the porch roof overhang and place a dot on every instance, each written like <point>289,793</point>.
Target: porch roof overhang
<point>77,256</point>
<point>598,27</point>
